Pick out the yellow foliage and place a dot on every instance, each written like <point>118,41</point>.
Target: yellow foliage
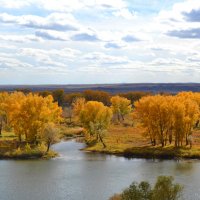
<point>120,106</point>
<point>27,114</point>
<point>95,118</point>
<point>168,116</point>
<point>78,105</point>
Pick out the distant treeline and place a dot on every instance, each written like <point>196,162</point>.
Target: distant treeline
<point>111,88</point>
<point>66,99</point>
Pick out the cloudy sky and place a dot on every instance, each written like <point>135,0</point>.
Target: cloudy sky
<point>99,41</point>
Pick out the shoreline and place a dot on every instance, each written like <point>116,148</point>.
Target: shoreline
<point>168,153</point>
<point>145,152</point>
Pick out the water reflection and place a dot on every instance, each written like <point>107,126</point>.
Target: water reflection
<point>184,166</point>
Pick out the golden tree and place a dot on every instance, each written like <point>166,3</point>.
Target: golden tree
<point>28,114</point>
<point>168,117</point>
<point>78,105</point>
<point>120,106</point>
<point>96,118</point>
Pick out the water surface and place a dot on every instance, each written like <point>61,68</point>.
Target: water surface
<point>78,175</point>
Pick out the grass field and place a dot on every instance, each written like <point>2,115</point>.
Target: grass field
<point>130,141</point>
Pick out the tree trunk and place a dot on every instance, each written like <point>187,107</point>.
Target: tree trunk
<point>118,117</point>
<point>170,138</point>
<point>186,141</point>
<point>104,145</point>
<point>163,143</point>
<point>1,127</point>
<point>48,147</point>
<point>20,138</point>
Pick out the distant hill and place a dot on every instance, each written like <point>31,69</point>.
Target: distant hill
<point>112,88</point>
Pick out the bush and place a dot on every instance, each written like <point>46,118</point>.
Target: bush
<point>164,189</point>
<point>42,148</point>
<point>17,152</point>
<point>27,148</point>
<point>140,191</point>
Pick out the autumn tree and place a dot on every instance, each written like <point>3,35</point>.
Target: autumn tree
<point>185,114</point>
<point>134,96</point>
<point>49,134</point>
<point>3,113</point>
<point>154,113</point>
<point>44,93</point>
<point>78,106</point>
<point>167,117</point>
<point>68,113</point>
<point>97,95</point>
<point>58,96</point>
<point>13,110</point>
<point>70,98</point>
<point>95,118</point>
<point>28,114</point>
<point>120,106</point>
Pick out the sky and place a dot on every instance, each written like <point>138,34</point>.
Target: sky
<point>99,41</point>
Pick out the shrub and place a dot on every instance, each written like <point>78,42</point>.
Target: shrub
<point>42,148</point>
<point>17,152</point>
<point>164,189</point>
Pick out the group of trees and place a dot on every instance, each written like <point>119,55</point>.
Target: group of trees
<point>33,118</point>
<point>169,118</point>
<point>96,117</point>
<point>164,189</point>
<point>166,118</point>
<point>67,99</point>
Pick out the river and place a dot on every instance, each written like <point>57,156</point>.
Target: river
<point>78,175</point>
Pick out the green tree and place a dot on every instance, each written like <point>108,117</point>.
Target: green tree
<point>165,189</point>
<point>140,191</point>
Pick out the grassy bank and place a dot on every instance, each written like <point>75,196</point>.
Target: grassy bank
<point>130,142</point>
<point>23,154</point>
<point>9,149</point>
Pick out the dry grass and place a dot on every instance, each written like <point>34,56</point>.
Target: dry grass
<point>130,141</point>
<point>68,132</point>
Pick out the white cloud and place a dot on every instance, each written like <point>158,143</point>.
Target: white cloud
<point>9,63</point>
<point>125,13</point>
<point>41,54</point>
<point>54,21</point>
<point>104,59</point>
<point>100,37</point>
<point>182,21</point>
<point>14,4</point>
<point>20,38</point>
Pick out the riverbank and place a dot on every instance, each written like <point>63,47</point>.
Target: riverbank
<point>168,152</point>
<point>19,154</point>
<point>130,142</point>
<point>9,145</point>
